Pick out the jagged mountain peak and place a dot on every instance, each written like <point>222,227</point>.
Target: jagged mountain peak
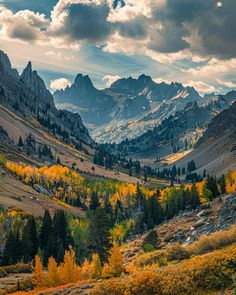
<point>35,83</point>
<point>6,67</point>
<point>144,77</point>
<point>82,81</point>
<point>29,98</point>
<point>29,67</point>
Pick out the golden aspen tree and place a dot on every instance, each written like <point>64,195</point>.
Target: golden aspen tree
<point>38,274</point>
<point>114,267</point>
<point>86,270</point>
<point>96,267</point>
<point>69,271</point>
<point>53,278</point>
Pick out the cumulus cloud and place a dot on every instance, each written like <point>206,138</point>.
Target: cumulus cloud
<point>204,28</point>
<point>227,84</point>
<point>110,79</point>
<point>24,25</point>
<point>171,32</point>
<point>59,84</point>
<point>213,67</point>
<point>202,87</point>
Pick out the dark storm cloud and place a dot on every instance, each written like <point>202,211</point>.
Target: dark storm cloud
<point>23,33</point>
<point>88,22</point>
<point>215,27</point>
<point>169,39</point>
<point>201,26</point>
<point>136,29</point>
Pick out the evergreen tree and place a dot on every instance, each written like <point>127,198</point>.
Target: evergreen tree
<point>98,234</point>
<point>212,185</point>
<point>109,162</point>
<point>145,175</point>
<point>20,142</point>
<point>222,184</point>
<point>109,211</point>
<point>139,198</point>
<point>58,161</point>
<point>45,229</point>
<point>191,166</point>
<point>94,202</point>
<point>9,249</point>
<point>60,229</point>
<point>49,249</point>
<point>18,247</point>
<point>30,240</point>
<point>60,253</point>
<point>119,212</point>
<point>195,198</point>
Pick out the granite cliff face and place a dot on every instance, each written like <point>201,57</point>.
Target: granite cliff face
<point>28,96</point>
<point>5,66</point>
<point>36,84</point>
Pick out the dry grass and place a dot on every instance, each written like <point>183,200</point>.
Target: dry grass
<point>175,157</point>
<point>212,242</point>
<point>198,275</point>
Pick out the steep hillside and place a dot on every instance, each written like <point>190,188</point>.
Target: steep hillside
<point>215,151</point>
<point>32,129</point>
<point>15,194</point>
<point>177,133</point>
<point>28,96</point>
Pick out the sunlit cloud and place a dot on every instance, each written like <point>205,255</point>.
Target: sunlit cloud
<point>59,84</point>
<point>110,79</point>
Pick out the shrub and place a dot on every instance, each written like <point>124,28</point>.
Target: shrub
<point>176,252</point>
<point>194,276</point>
<point>152,239</point>
<point>155,257</point>
<point>3,273</point>
<point>148,248</point>
<point>3,160</point>
<point>18,268</point>
<point>213,242</point>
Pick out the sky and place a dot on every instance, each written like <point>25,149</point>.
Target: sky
<point>187,41</point>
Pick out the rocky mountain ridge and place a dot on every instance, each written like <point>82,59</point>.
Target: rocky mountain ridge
<point>113,110</point>
<point>28,96</point>
<point>178,132</point>
<point>215,151</point>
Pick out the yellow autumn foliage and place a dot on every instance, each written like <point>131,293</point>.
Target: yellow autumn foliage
<point>198,275</point>
<point>114,267</point>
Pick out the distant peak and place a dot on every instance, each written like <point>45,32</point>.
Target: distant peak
<point>144,77</point>
<point>80,79</point>
<point>29,66</point>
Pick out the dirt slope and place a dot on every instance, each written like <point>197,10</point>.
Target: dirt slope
<point>15,194</point>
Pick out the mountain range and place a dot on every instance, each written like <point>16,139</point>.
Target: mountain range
<point>180,131</point>
<point>144,118</point>
<point>108,113</point>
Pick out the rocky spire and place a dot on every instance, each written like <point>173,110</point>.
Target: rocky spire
<point>35,83</point>
<point>5,66</point>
